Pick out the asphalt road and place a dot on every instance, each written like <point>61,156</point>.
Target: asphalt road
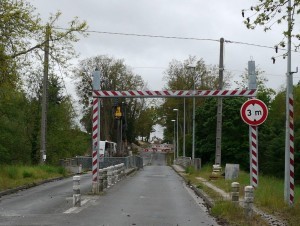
<point>155,195</point>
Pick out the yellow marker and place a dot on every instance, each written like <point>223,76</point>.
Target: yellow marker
<point>118,112</point>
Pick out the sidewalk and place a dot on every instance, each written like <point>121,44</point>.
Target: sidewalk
<point>272,220</point>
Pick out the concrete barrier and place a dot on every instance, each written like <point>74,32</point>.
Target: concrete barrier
<point>111,175</point>
<point>183,161</point>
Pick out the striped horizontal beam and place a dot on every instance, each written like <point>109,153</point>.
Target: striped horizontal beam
<point>174,93</point>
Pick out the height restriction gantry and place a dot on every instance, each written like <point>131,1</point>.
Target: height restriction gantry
<point>174,93</point>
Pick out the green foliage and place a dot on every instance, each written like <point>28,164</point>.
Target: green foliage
<point>144,123</point>
<point>12,176</point>
<point>22,39</point>
<point>115,75</point>
<point>183,75</point>
<point>266,14</point>
<point>234,132</point>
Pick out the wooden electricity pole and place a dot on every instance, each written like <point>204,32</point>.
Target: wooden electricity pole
<point>219,110</point>
<point>45,98</point>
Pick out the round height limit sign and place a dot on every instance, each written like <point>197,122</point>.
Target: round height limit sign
<point>254,112</point>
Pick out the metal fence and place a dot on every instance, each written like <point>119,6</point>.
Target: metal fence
<point>86,162</point>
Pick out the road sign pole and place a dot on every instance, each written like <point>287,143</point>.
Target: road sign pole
<point>254,156</point>
<point>289,135</point>
<point>95,135</point>
<point>253,131</point>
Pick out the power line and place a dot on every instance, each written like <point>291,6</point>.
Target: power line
<point>174,37</point>
<point>250,44</point>
<point>145,35</point>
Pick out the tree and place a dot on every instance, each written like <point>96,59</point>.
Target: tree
<point>22,37</point>
<point>115,75</point>
<point>61,124</point>
<point>180,76</point>
<point>267,13</point>
<point>145,123</point>
<point>235,138</point>
<point>18,25</point>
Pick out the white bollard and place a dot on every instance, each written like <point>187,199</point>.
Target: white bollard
<point>80,169</point>
<point>76,191</point>
<point>235,192</point>
<point>249,198</point>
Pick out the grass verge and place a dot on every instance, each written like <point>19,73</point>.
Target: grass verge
<point>269,196</point>
<point>12,176</point>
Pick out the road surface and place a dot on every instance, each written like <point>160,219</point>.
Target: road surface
<point>155,195</point>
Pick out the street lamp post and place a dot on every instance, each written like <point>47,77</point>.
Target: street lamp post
<point>174,145</point>
<point>193,146</point>
<point>194,92</point>
<point>177,143</point>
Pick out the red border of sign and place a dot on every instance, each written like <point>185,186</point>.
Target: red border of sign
<point>254,101</point>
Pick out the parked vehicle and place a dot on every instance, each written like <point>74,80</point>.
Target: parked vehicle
<point>107,148</point>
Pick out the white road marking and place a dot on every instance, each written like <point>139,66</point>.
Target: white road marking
<point>84,204</point>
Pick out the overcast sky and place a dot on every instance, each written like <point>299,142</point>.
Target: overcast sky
<point>149,57</point>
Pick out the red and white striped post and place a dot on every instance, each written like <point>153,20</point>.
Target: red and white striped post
<point>95,134</point>
<point>291,137</point>
<point>253,131</point>
<point>289,185</point>
<point>95,139</point>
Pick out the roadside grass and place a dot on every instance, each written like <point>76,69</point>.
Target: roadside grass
<point>269,196</point>
<point>234,215</point>
<point>12,176</point>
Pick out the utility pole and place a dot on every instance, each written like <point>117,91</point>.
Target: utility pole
<point>219,110</point>
<point>183,127</point>
<point>45,98</point>
<point>289,135</point>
